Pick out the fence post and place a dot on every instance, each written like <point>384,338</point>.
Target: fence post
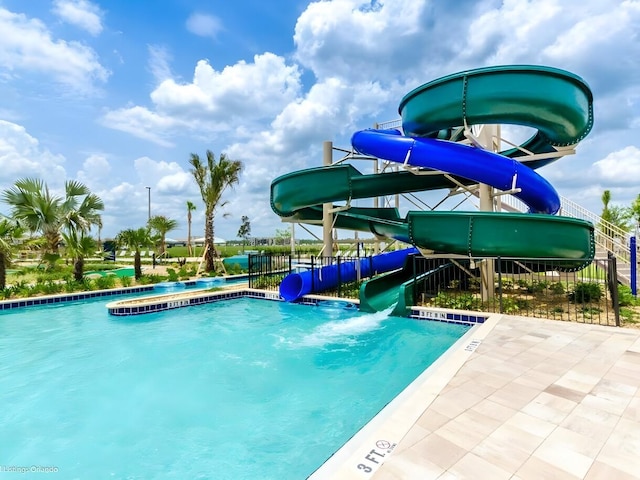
<point>313,274</point>
<point>339,277</point>
<point>500,283</point>
<point>612,275</point>
<point>634,266</point>
<point>414,287</point>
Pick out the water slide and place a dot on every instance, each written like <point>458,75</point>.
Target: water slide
<point>298,284</point>
<point>556,103</point>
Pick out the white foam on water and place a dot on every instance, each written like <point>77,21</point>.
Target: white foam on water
<point>345,330</point>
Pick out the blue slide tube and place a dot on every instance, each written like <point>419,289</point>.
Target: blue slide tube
<point>473,163</point>
<point>295,285</point>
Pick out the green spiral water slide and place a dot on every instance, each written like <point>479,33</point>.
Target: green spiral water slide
<point>556,103</point>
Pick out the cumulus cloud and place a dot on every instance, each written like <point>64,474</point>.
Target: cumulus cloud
<point>95,169</point>
<point>247,90</point>
<point>351,38</point>
<point>22,156</point>
<point>621,167</point>
<point>26,45</point>
<point>81,13</point>
<point>143,123</point>
<point>213,101</point>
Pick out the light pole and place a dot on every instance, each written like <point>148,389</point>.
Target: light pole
<point>149,202</point>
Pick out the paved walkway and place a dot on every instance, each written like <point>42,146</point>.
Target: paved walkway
<point>522,398</point>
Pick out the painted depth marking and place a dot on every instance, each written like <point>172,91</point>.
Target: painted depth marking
<point>472,346</point>
<point>375,457</point>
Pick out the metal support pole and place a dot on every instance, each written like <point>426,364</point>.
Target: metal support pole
<point>293,239</point>
<point>634,266</point>
<point>376,242</point>
<point>327,216</point>
<point>149,202</point>
<point>487,137</point>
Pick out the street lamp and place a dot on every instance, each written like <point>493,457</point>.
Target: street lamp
<point>149,202</point>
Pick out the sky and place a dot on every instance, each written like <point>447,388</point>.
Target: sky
<point>118,94</point>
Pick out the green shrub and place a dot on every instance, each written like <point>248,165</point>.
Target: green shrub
<point>507,284</point>
<point>557,288</point>
<point>465,301</point>
<point>625,297</point>
<point>125,281</point>
<point>172,275</point>
<point>586,292</point>
<point>106,282</point>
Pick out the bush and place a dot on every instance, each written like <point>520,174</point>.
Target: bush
<point>557,288</point>
<point>173,276</point>
<point>465,301</point>
<point>106,282</point>
<point>625,297</point>
<point>586,292</point>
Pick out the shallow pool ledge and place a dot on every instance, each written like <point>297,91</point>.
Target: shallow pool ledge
<point>168,301</point>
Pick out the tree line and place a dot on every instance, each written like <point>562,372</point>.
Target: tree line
<point>42,221</point>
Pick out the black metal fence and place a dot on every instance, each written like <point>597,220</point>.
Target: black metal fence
<point>513,286</point>
<point>525,287</point>
<point>266,271</point>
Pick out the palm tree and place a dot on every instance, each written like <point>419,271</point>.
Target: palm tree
<point>9,232</point>
<point>190,208</point>
<point>135,239</point>
<point>162,225</point>
<point>39,211</point>
<point>614,218</point>
<point>212,179</point>
<point>79,246</point>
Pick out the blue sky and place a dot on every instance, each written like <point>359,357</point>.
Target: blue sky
<point>118,94</point>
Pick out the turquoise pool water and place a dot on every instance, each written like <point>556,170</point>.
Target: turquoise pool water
<point>241,389</point>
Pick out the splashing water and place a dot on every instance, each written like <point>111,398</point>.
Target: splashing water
<point>345,330</point>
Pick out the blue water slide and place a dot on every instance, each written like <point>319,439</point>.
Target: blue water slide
<point>465,161</point>
<point>296,285</point>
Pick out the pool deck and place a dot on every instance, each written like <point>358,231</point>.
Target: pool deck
<point>516,398</point>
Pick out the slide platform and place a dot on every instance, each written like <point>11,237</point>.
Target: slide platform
<point>556,103</point>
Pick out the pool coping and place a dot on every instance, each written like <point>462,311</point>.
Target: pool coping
<point>71,297</point>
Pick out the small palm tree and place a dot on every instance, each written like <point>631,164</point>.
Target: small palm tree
<point>135,239</point>
<point>162,225</point>
<point>39,211</point>
<point>213,178</point>
<point>10,231</point>
<point>79,246</point>
<point>613,218</point>
<point>190,208</point>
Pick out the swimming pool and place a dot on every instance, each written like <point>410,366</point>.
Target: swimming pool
<point>240,389</point>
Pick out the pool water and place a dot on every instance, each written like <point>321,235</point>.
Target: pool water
<point>240,389</point>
